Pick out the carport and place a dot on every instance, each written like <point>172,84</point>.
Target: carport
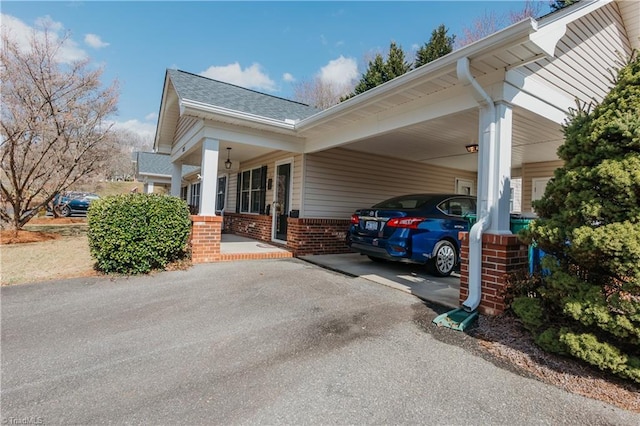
<point>508,94</point>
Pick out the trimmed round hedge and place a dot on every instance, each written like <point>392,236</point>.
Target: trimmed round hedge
<point>136,233</point>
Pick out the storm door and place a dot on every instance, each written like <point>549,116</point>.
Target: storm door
<point>281,201</point>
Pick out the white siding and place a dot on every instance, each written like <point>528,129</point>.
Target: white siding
<point>269,160</point>
<point>585,56</point>
<point>184,124</point>
<point>338,181</point>
<point>630,11</point>
<point>532,171</point>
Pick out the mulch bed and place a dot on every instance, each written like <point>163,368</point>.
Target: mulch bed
<point>11,237</point>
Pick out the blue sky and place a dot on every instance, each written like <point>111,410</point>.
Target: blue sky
<point>266,46</point>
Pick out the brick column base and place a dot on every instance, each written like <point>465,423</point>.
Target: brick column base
<point>205,238</point>
<point>502,255</point>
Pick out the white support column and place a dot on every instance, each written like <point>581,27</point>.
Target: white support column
<point>148,187</point>
<point>209,177</point>
<point>485,161</point>
<point>176,178</point>
<point>500,220</point>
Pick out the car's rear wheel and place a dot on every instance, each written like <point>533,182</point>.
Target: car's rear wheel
<point>376,259</point>
<point>444,259</point>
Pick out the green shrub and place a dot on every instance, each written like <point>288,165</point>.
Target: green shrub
<point>530,311</point>
<point>603,355</point>
<point>589,226</point>
<point>136,233</point>
<point>549,340</point>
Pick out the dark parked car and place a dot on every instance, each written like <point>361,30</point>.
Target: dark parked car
<point>72,202</point>
<point>417,228</point>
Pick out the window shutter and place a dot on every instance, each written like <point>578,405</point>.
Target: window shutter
<point>238,192</point>
<point>263,187</point>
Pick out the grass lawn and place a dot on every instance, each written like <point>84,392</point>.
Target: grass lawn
<point>57,251</point>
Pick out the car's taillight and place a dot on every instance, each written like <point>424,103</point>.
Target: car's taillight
<point>405,222</point>
<point>355,219</point>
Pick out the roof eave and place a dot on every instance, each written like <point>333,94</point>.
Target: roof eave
<point>163,100</point>
<point>190,107</point>
<point>495,41</point>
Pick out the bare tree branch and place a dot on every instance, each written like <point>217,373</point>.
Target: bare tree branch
<point>53,124</point>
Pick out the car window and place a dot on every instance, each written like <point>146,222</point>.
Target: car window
<point>458,207</point>
<point>404,202</point>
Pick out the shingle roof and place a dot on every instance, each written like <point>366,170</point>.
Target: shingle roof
<point>217,93</point>
<point>151,163</point>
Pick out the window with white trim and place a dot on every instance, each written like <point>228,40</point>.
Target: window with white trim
<point>221,196</point>
<point>252,190</point>
<point>195,196</point>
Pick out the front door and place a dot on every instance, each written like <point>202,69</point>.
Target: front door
<point>281,201</point>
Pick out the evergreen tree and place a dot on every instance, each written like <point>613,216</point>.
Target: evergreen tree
<point>588,305</point>
<point>396,64</point>
<point>559,4</point>
<point>380,71</point>
<point>438,45</point>
<point>374,76</point>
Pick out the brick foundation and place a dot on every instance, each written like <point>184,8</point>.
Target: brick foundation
<point>205,238</point>
<point>253,226</point>
<point>317,236</point>
<point>501,256</point>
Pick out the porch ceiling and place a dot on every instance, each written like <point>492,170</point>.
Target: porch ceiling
<point>442,141</point>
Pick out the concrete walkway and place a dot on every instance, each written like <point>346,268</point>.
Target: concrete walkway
<point>235,247</point>
<point>412,279</point>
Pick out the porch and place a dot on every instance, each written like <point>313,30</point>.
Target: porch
<point>236,247</point>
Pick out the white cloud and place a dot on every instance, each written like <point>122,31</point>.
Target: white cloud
<point>146,131</point>
<point>152,116</point>
<point>252,77</point>
<point>95,41</point>
<point>340,72</point>
<point>289,78</point>
<point>22,33</point>
<point>323,40</point>
<point>47,22</point>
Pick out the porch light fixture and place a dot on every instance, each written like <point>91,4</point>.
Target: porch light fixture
<point>228,163</point>
<point>473,148</point>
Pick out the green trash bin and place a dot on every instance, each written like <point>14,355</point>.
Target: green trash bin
<point>520,221</point>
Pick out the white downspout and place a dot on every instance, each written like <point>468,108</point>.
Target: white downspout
<point>486,159</point>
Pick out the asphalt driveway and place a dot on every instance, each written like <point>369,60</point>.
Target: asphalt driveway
<point>268,342</point>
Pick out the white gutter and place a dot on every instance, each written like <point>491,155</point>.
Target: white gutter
<point>517,31</point>
<point>486,160</point>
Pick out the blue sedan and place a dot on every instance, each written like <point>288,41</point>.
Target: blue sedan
<point>71,202</point>
<point>416,228</point>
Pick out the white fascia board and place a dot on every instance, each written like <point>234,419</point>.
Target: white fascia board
<point>190,107</point>
<point>156,175</point>
<point>553,27</point>
<point>163,102</point>
<point>571,13</point>
<point>254,137</point>
<point>431,70</point>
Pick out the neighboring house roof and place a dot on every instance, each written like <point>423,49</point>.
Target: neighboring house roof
<point>154,164</point>
<point>213,92</point>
